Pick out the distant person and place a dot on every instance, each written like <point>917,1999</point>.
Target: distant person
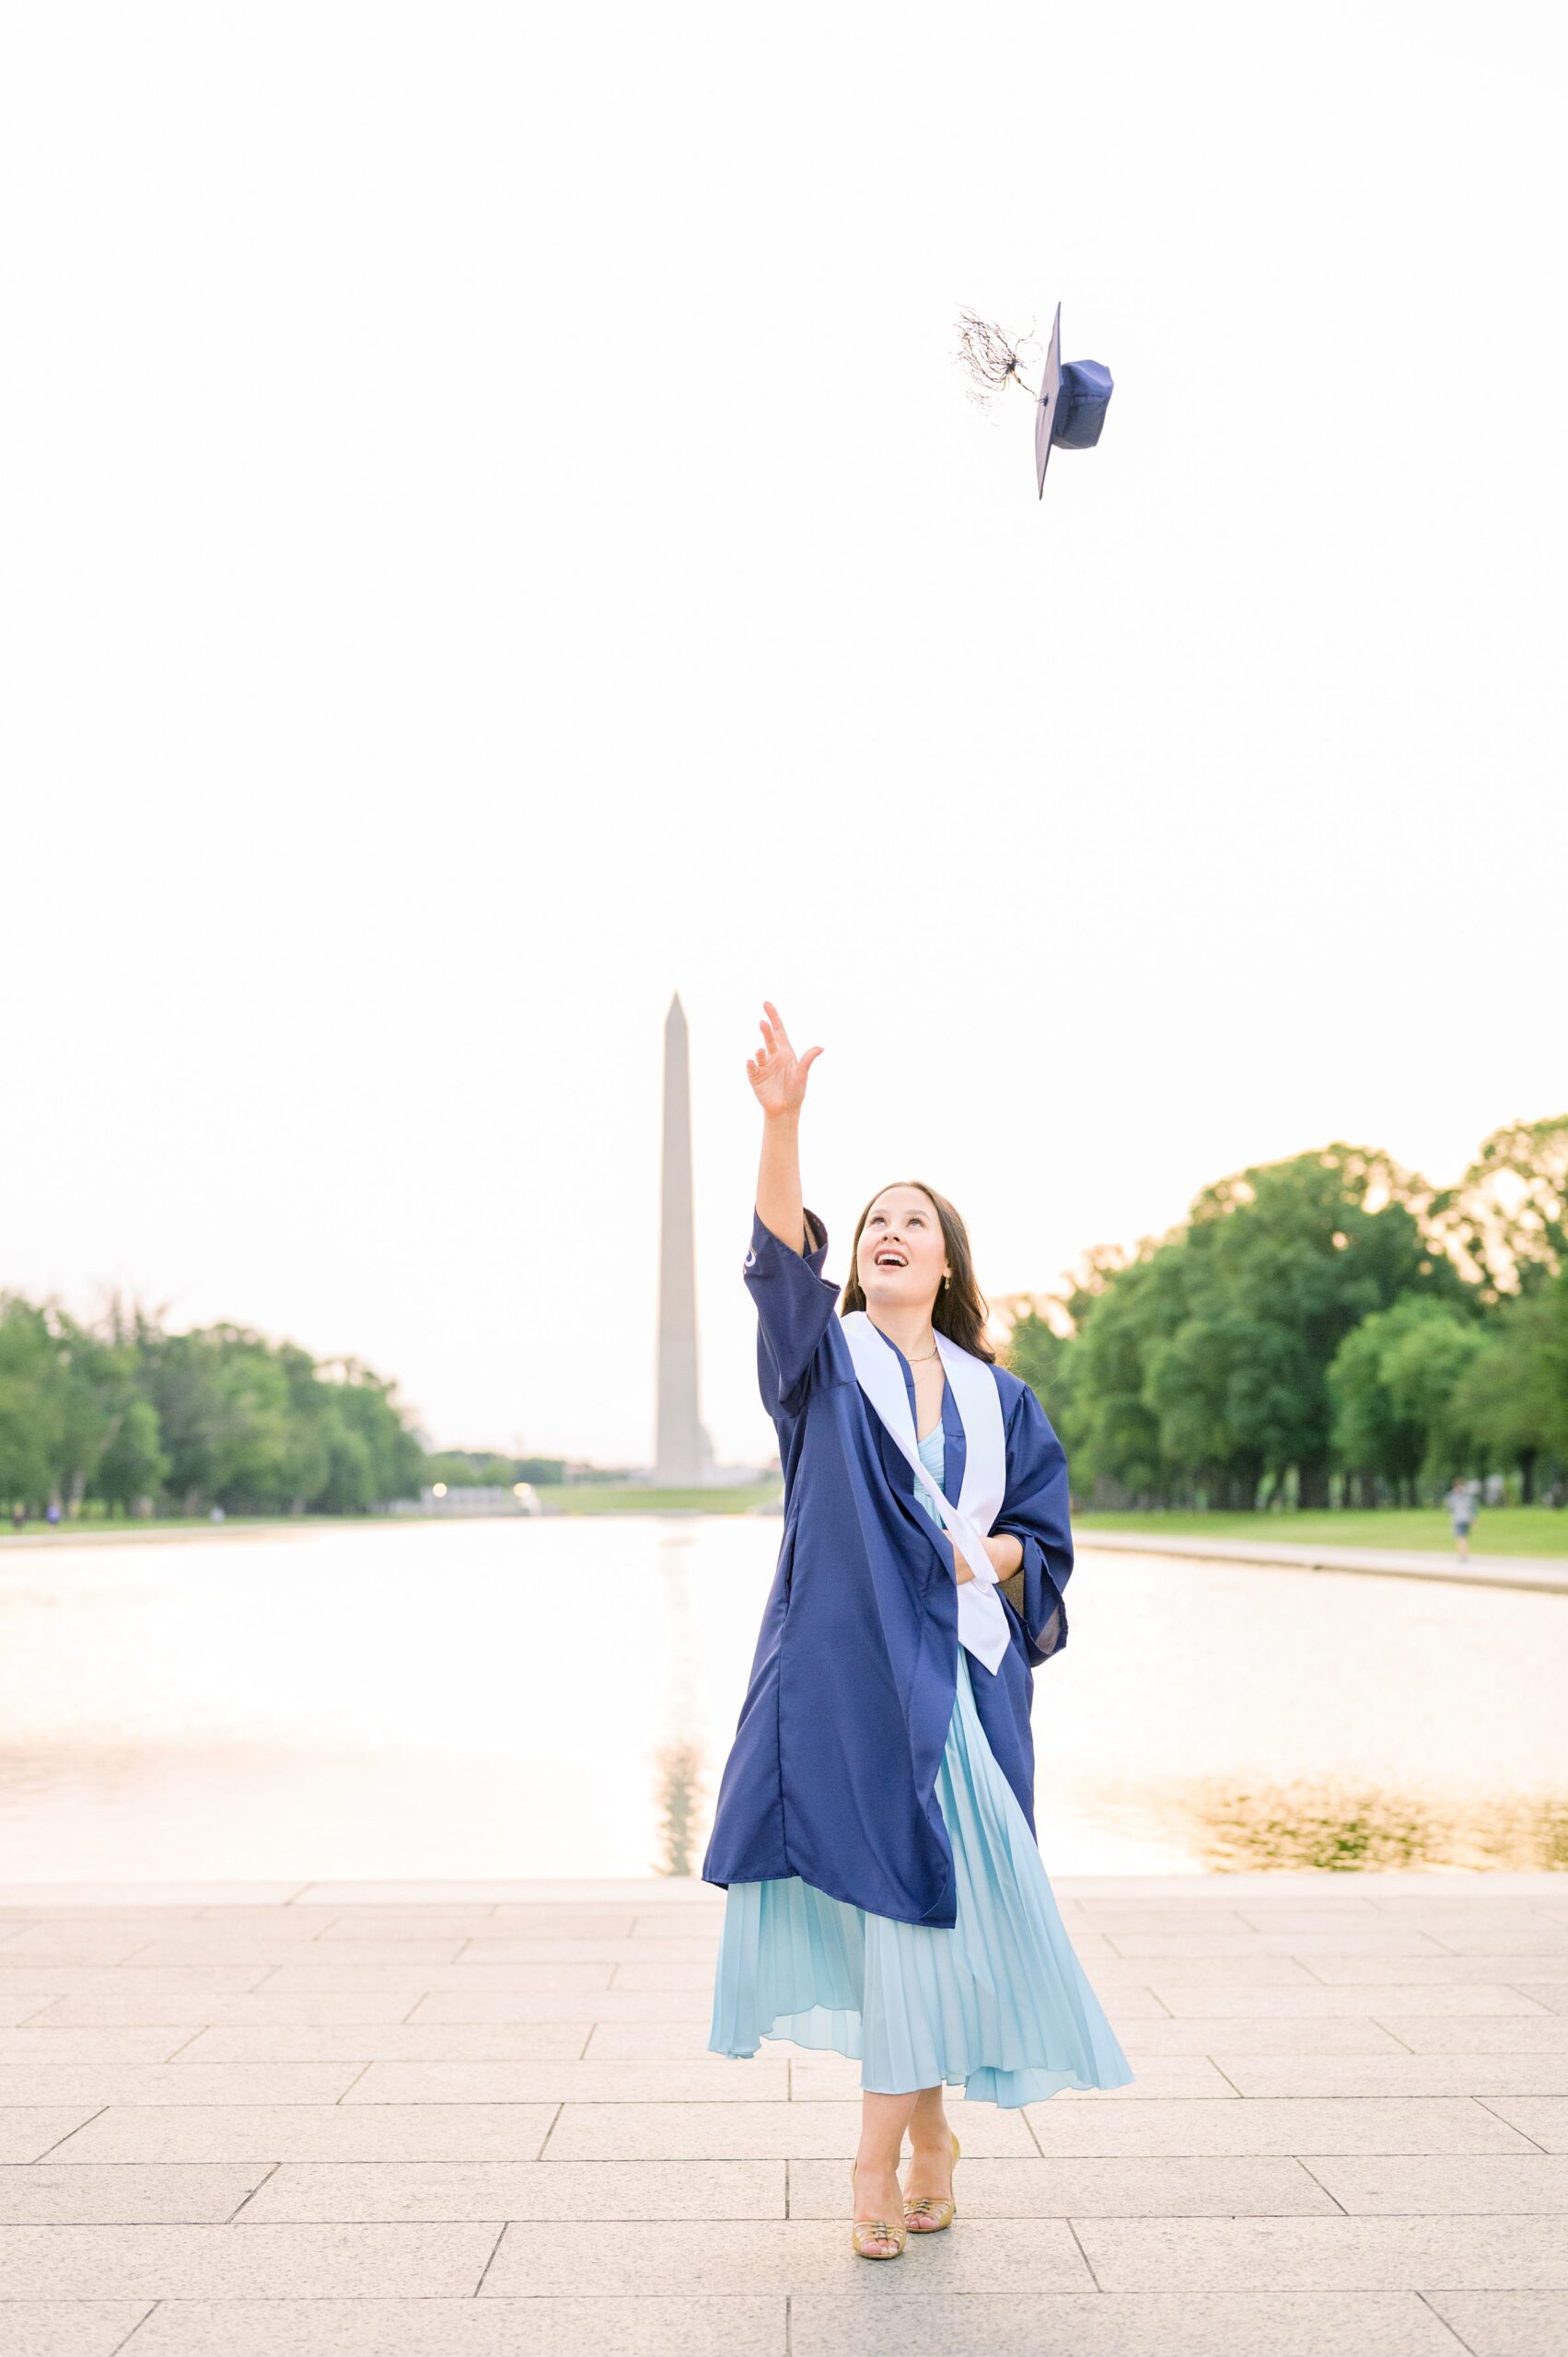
<point>875,1827</point>
<point>19,1518</point>
<point>52,1512</point>
<point>1462,1505</point>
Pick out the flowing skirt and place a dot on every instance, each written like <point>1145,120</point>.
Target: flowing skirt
<point>998,2004</point>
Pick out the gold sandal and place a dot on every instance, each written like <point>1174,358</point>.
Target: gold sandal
<point>864,2230</point>
<point>936,2209</point>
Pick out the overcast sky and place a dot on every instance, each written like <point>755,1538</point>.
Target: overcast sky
<point>494,535</point>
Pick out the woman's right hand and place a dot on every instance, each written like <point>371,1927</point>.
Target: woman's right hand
<point>777,1074</point>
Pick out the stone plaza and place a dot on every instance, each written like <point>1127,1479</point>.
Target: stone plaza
<point>468,2119</point>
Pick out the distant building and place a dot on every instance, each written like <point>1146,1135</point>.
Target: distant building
<point>683,1455</point>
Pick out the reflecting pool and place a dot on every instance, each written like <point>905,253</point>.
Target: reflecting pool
<point>556,1697</point>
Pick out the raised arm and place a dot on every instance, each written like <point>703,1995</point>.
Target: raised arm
<point>778,1080</point>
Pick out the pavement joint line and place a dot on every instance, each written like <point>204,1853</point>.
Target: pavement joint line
<point>500,2237</point>
<point>244,2198</point>
<point>1491,2106</point>
<point>136,2328</point>
<point>1304,2163</point>
<point>1425,2299</point>
<point>1089,2262</point>
<point>355,2081</point>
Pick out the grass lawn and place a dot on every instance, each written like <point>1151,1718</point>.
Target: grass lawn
<point>613,1497</point>
<point>1497,1530</point>
<point>573,1497</point>
<point>183,1526</point>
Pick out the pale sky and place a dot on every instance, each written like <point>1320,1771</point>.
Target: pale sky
<point>494,535</point>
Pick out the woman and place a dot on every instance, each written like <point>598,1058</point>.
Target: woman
<point>875,1824</point>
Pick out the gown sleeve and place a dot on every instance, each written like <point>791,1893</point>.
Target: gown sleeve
<point>1035,1509</point>
<point>795,1302</point>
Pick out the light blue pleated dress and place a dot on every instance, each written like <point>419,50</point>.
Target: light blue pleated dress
<point>999,2004</point>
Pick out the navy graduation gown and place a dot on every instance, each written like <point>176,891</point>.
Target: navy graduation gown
<point>832,1772</point>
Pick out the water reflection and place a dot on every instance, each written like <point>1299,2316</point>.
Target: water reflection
<point>1341,1829</point>
<point>554,1697</point>
<point>679,1786</point>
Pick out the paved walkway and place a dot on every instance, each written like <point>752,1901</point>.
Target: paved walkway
<point>470,2118</point>
<point>1542,1573</point>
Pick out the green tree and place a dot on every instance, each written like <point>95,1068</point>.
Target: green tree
<point>1506,1224</point>
<point>32,1405</point>
<point>1285,1261</point>
<point>1514,1395</point>
<point>1113,1427</point>
<point>1201,1368</point>
<point>133,1465</point>
<point>1395,1384</point>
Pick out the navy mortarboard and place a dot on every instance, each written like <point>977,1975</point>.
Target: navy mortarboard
<point>1073,394</point>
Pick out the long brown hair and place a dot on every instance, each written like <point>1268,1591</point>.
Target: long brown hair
<point>960,1309</point>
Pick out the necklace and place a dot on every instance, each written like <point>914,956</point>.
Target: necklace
<point>931,1353</point>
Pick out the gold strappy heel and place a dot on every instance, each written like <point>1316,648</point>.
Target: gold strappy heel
<point>934,2210</point>
<point>864,2230</point>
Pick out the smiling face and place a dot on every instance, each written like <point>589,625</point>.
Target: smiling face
<point>901,1258</point>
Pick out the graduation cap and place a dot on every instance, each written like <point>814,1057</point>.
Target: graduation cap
<point>1072,403</point>
<point>1073,395</point>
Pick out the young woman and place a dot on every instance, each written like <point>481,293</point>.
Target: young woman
<point>875,1824</point>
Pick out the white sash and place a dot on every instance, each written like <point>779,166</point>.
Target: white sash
<point>984,1625</point>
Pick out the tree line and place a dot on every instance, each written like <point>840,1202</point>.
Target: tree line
<point>1328,1330</point>
<point>127,1417</point>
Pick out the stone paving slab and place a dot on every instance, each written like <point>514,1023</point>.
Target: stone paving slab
<point>52,2193</point>
<point>1433,2034</point>
<point>103,2008</point>
<point>27,2134</point>
<point>312,2132</point>
<point>1480,1966</point>
<point>1324,2324</point>
<point>685,2132</point>
<point>581,2325</point>
<point>160,2262</point>
<point>1435,2184</point>
<point>703,2079</point>
<point>441,2191</point>
<point>563,2004</point>
<point>421,2041</point>
<point>153,2043</point>
<point>160,2082</point>
<point>1396,2074</point>
<point>1506,2324</point>
<point>1295,2124</point>
<point>1449,2253</point>
<point>776,2255</point>
<point>1545,2119</point>
<point>473,2119</point>
<point>1312,2001</point>
<point>1094,2188</point>
<point>70,2328</point>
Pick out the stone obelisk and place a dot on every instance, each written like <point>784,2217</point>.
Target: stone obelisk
<point>682,1456</point>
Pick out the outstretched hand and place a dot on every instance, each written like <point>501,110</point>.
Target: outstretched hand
<point>777,1074</point>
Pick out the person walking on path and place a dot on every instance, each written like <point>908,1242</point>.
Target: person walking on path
<point>874,1831</point>
<point>1462,1510</point>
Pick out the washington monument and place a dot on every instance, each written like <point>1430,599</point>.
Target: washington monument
<point>682,1456</point>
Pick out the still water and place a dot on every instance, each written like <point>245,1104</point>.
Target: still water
<point>556,1697</point>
